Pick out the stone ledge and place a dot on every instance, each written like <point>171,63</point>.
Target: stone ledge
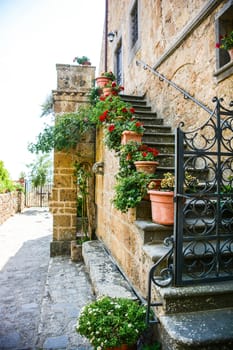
<point>199,330</point>
<point>105,276</point>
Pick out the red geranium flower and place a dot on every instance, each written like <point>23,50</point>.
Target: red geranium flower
<point>137,124</point>
<point>124,110</point>
<point>132,110</point>
<point>111,128</point>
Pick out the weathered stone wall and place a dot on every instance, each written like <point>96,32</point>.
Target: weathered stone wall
<point>73,85</point>
<point>186,56</point>
<point>10,203</point>
<point>191,65</point>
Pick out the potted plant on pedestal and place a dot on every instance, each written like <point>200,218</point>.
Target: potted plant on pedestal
<point>84,60</point>
<point>226,43</point>
<point>112,323</point>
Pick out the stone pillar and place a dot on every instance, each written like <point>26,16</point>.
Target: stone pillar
<point>73,86</point>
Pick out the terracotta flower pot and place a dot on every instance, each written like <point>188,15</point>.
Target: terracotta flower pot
<point>102,81</point>
<point>162,207</point>
<point>107,91</point>
<point>130,136</point>
<point>144,166</point>
<point>123,347</point>
<point>231,53</point>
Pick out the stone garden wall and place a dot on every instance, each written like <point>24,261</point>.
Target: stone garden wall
<point>10,203</point>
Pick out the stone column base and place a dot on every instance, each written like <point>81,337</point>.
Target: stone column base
<point>59,248</point>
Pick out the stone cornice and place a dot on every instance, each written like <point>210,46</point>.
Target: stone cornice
<point>69,93</point>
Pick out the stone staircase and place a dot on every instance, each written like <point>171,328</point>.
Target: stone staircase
<point>191,317</point>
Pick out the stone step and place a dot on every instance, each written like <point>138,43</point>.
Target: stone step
<point>143,114</point>
<point>151,232</point>
<point>149,121</point>
<point>150,128</point>
<point>133,98</point>
<point>191,298</point>
<point>202,330</point>
<point>105,276</point>
<point>159,137</point>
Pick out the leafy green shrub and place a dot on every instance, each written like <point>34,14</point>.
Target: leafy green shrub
<point>6,184</point>
<point>109,322</point>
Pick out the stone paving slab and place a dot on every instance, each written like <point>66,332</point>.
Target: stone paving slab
<point>67,290</point>
<point>24,258</point>
<point>40,297</point>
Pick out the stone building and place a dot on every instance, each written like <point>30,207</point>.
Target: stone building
<point>177,39</point>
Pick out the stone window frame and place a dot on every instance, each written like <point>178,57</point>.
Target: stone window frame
<point>134,34</point>
<point>223,23</point>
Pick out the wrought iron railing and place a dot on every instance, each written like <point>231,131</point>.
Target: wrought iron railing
<point>202,244</point>
<point>175,86</point>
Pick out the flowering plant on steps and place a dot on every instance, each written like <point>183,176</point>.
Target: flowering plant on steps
<point>108,322</point>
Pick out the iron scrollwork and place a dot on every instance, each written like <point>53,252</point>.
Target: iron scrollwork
<point>204,228</point>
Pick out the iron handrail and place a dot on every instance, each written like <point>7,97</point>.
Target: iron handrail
<point>170,82</point>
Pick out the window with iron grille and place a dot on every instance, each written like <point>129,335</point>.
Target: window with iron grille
<point>134,24</point>
<point>223,26</point>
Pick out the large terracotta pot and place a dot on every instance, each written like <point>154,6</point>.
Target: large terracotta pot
<point>162,207</point>
<point>231,53</point>
<point>123,347</point>
<point>102,81</point>
<point>130,136</point>
<point>148,166</point>
<point>107,91</point>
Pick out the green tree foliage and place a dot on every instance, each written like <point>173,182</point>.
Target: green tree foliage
<point>40,170</point>
<point>47,106</point>
<point>6,184</point>
<point>64,134</point>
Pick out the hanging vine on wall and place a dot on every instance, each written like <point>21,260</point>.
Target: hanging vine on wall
<point>65,134</point>
<point>83,175</point>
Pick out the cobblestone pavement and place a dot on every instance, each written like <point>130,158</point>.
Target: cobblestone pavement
<point>40,297</point>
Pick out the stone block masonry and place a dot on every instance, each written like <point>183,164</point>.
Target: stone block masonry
<point>10,203</point>
<point>73,86</point>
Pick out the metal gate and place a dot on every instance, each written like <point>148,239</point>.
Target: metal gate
<point>203,232</point>
<point>37,196</point>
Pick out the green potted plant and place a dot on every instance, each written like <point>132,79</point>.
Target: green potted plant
<point>112,323</point>
<point>143,156</point>
<point>84,60</point>
<point>133,131</point>
<point>226,43</point>
<point>115,116</point>
<point>162,201</point>
<point>112,88</point>
<point>162,198</point>
<point>130,189</point>
<point>105,78</point>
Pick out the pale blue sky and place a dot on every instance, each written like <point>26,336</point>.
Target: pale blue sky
<point>34,36</point>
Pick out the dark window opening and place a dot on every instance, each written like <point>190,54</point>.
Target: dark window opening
<point>224,25</point>
<point>118,55</point>
<point>134,24</point>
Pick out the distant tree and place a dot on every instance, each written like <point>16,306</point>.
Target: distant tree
<point>47,106</point>
<point>6,184</point>
<point>40,170</point>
